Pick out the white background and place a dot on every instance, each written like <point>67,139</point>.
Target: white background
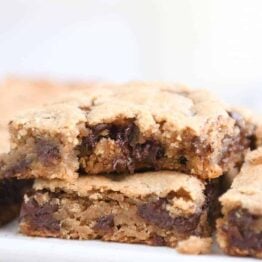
<point>204,43</point>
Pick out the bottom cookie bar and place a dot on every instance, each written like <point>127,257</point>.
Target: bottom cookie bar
<point>11,196</point>
<point>155,208</point>
<point>240,230</point>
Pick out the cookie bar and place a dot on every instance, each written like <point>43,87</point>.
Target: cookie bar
<point>18,94</point>
<point>240,230</point>
<point>129,128</point>
<point>155,208</point>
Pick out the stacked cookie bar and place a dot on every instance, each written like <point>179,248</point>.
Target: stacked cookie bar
<point>134,163</point>
<point>16,95</point>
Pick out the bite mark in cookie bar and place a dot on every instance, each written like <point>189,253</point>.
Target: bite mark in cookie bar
<point>240,229</point>
<point>146,128</point>
<point>130,151</point>
<point>159,208</point>
<point>132,154</point>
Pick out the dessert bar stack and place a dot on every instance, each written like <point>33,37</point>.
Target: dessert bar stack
<point>134,163</point>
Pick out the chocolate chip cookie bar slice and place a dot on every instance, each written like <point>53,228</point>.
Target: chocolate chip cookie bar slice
<point>134,127</point>
<point>240,229</point>
<point>156,208</point>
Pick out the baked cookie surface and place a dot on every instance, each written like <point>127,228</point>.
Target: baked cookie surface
<point>129,128</point>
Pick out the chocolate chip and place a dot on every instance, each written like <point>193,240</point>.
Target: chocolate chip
<point>119,165</point>
<point>182,160</point>
<point>18,168</point>
<point>213,190</point>
<point>90,141</point>
<point>148,152</point>
<point>252,141</point>
<point>104,223</point>
<point>157,240</point>
<point>201,147</point>
<point>155,213</point>
<point>124,134</point>
<point>87,144</point>
<point>47,152</point>
<point>239,230</point>
<point>40,217</point>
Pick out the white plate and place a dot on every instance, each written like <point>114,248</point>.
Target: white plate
<point>15,247</point>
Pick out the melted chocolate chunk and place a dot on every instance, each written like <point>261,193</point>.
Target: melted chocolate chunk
<point>182,160</point>
<point>149,152</point>
<point>213,190</point>
<point>104,223</point>
<point>239,230</point>
<point>20,167</point>
<point>252,142</point>
<point>47,152</point>
<point>40,217</point>
<point>157,240</point>
<point>126,136</point>
<point>155,213</point>
<point>121,164</point>
<point>201,147</point>
<point>89,142</point>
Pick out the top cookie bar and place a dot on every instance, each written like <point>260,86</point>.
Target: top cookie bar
<point>128,128</point>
